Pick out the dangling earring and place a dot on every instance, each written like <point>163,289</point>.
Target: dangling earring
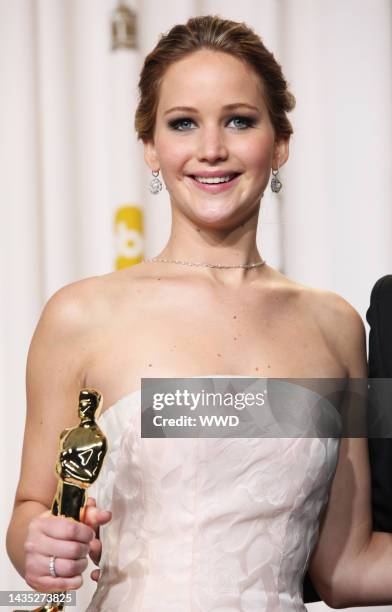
<point>155,183</point>
<point>276,184</point>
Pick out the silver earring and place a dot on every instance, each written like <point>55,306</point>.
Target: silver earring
<point>276,184</point>
<point>155,183</point>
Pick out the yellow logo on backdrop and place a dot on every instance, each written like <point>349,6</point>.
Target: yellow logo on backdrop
<point>128,232</point>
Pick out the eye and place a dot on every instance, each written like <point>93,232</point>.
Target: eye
<point>182,124</point>
<point>241,123</point>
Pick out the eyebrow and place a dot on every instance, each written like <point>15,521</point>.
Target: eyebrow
<point>190,109</point>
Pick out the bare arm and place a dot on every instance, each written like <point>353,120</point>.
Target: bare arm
<point>351,563</point>
<point>54,376</point>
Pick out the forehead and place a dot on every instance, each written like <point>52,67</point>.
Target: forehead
<point>209,77</point>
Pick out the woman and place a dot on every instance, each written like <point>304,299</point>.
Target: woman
<point>193,525</point>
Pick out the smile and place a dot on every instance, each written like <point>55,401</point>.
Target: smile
<point>215,184</point>
<point>214,180</point>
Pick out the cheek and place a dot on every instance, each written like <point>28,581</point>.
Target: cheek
<point>256,152</point>
<point>173,156</point>
<point>262,158</point>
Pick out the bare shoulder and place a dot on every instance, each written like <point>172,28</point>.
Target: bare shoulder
<point>78,306</point>
<point>73,304</point>
<point>337,317</point>
<point>334,312</point>
<point>342,327</point>
<point>337,320</point>
<point>62,341</point>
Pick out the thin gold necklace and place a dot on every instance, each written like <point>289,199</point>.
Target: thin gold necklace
<point>203,265</point>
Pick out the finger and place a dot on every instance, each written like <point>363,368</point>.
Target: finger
<point>95,575</point>
<point>51,585</point>
<point>95,550</point>
<point>63,528</point>
<point>68,568</point>
<point>90,503</point>
<point>64,568</point>
<point>94,517</point>
<point>59,548</point>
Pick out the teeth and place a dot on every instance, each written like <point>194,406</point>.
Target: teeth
<point>212,180</point>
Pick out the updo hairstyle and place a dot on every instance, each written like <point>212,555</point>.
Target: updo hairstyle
<point>212,32</point>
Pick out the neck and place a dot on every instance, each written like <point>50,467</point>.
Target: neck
<point>194,242</point>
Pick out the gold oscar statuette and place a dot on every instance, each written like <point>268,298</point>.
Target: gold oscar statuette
<point>81,453</point>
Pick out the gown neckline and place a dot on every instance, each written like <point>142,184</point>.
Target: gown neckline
<point>138,390</point>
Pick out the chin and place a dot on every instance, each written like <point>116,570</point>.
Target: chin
<point>221,216</point>
<point>216,219</point>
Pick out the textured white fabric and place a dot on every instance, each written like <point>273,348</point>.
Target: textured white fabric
<point>207,525</point>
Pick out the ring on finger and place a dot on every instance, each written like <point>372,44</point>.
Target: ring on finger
<point>52,568</point>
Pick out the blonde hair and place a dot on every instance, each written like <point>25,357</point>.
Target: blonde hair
<point>212,32</point>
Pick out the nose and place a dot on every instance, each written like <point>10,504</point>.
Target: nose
<point>212,146</point>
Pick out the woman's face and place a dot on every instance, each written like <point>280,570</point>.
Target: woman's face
<point>214,142</point>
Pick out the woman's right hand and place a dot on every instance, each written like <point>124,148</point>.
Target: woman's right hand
<point>65,539</point>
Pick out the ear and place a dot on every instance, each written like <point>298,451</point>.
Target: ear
<point>150,155</point>
<point>281,153</point>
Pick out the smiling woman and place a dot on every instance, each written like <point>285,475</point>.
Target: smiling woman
<point>245,115</point>
<point>223,144</point>
<point>201,524</point>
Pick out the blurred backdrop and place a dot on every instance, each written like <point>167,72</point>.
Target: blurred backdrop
<point>74,189</point>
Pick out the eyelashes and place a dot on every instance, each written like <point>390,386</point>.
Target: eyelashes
<point>244,122</point>
<point>186,124</point>
<point>182,124</point>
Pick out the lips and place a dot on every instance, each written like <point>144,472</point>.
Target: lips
<point>214,180</point>
<point>215,173</point>
<point>215,187</point>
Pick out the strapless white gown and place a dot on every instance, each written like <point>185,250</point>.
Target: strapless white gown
<point>207,525</point>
